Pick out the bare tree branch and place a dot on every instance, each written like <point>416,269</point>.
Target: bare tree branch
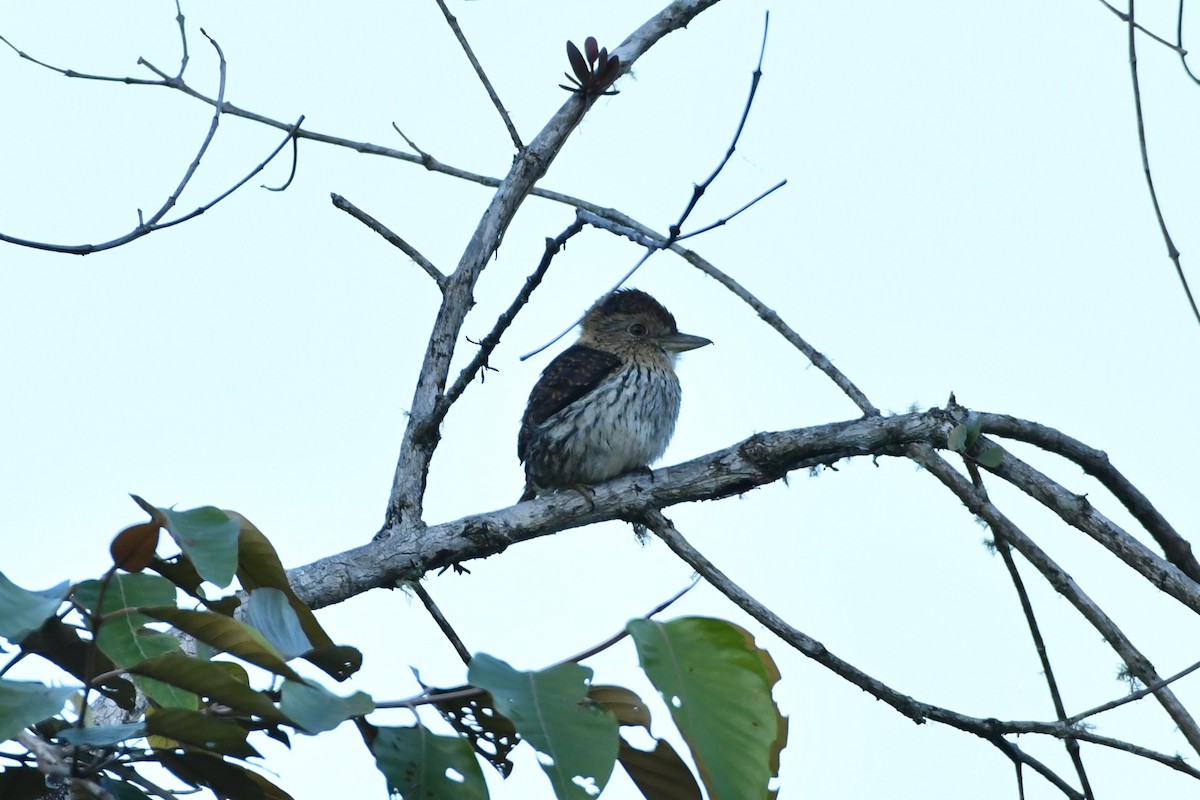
<point>1095,463</point>
<point>394,239</point>
<point>421,434</point>
<point>1039,643</point>
<point>488,343</point>
<point>1062,582</point>
<point>918,712</point>
<point>483,78</point>
<point>1172,251</point>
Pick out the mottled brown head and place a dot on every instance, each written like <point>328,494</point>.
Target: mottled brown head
<point>631,320</point>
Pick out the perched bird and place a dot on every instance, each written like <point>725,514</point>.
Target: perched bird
<point>608,403</point>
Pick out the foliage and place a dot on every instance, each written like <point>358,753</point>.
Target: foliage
<point>202,714</point>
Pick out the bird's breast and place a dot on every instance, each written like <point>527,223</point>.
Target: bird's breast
<point>624,423</point>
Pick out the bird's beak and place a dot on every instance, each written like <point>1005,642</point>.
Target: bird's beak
<point>679,342</point>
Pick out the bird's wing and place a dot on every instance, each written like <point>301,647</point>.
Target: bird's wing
<point>577,371</point>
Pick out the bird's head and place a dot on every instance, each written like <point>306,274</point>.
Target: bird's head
<point>631,321</point>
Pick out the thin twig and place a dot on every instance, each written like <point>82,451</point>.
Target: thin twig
<point>1132,696</point>
<point>699,189</point>
<point>1183,54</point>
<point>616,637</point>
<point>1062,582</point>
<point>725,219</point>
<point>1172,251</point>
<point>623,225</point>
<point>366,219</point>
<point>291,174</point>
<point>467,692</point>
<point>1039,643</point>
<point>488,344</point>
<point>1128,18</point>
<point>144,229</point>
<point>483,78</point>
<point>442,623</point>
<point>914,710</point>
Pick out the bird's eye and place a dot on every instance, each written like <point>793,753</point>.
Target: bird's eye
<point>637,329</point>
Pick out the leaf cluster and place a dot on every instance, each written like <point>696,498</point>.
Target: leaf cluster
<point>202,671</point>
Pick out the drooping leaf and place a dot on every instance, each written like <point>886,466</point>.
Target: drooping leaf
<point>209,679</point>
<point>626,706</point>
<point>225,779</point>
<point>125,591</point>
<point>200,730</point>
<point>272,616</point>
<point>103,735</point>
<point>133,548</point>
<point>22,612</point>
<point>316,709</point>
<point>208,537</point>
<point>491,734</point>
<point>717,684</point>
<point>23,703</point>
<point>418,764</point>
<point>259,566</point>
<point>227,635</point>
<point>576,738</point>
<point>59,643</point>
<point>659,774</point>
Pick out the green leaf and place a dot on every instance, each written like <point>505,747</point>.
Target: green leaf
<point>957,439</point>
<point>717,684</point>
<point>22,612</point>
<point>103,735</point>
<point>125,591</point>
<point>259,567</point>
<point>659,774</point>
<point>208,537</point>
<point>201,730</point>
<point>271,614</point>
<point>23,703</point>
<point>576,738</point>
<point>417,763</point>
<point>126,640</point>
<point>209,679</point>
<point>227,635</point>
<point>316,709</point>
<point>991,458</point>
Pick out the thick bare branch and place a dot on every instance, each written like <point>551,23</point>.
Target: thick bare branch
<point>1095,463</point>
<point>761,459</point>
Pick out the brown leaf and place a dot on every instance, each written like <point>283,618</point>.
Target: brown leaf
<point>133,548</point>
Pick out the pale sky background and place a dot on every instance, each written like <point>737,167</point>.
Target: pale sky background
<point>965,212</point>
